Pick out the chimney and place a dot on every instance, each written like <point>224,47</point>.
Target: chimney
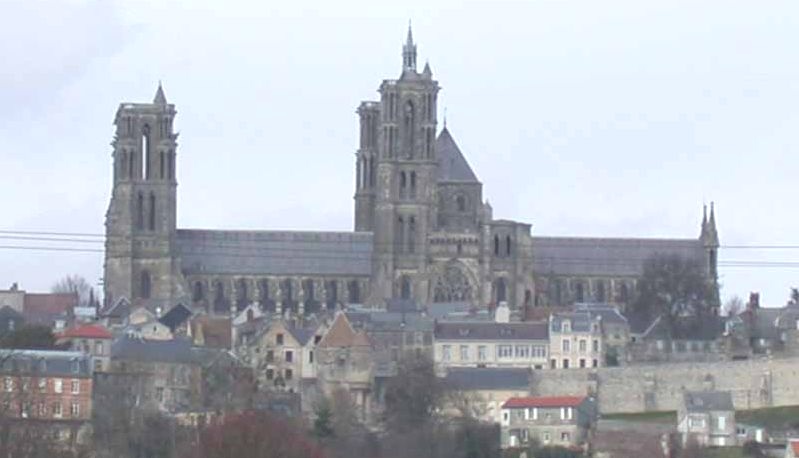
<point>754,301</point>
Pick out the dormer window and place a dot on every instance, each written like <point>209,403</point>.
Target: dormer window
<point>566,326</point>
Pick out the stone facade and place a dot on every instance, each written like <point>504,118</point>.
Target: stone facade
<point>422,228</point>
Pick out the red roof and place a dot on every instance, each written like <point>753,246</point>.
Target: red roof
<point>550,401</point>
<point>795,446</point>
<point>87,331</point>
<point>50,302</point>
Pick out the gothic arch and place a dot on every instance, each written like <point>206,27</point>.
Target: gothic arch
<point>198,291</point>
<point>501,290</point>
<point>145,286</point>
<point>241,294</point>
<point>220,304</point>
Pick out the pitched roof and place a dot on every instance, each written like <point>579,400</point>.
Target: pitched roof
<point>605,256</point>
<point>452,165</point>
<point>45,308</point>
<point>548,401</point>
<point>342,334</point>
<point>163,351</point>
<point>87,331</point>
<point>50,362</point>
<point>704,401</point>
<point>176,316</point>
<point>488,378</point>
<point>486,330</point>
<point>275,252</point>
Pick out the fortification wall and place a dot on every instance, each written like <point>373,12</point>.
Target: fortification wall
<point>753,383</point>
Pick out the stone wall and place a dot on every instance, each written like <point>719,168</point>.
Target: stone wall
<point>753,383</point>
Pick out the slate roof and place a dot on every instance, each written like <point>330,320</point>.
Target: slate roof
<point>706,401</point>
<point>491,331</point>
<point>177,351</point>
<point>488,378</point>
<point>609,313</point>
<point>176,316</point>
<point>52,363</point>
<point>452,165</point>
<point>549,401</point>
<point>575,256</point>
<point>579,321</point>
<point>379,320</point>
<point>302,335</point>
<point>688,328</point>
<point>275,252</point>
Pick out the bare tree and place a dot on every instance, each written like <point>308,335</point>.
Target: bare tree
<point>76,284</point>
<point>734,306</point>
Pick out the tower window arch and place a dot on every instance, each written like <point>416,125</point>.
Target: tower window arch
<point>152,212</point>
<point>163,165</point>
<point>496,245</point>
<point>409,127</point>
<point>140,212</point>
<point>400,240</point>
<point>131,164</point>
<point>199,291</point>
<point>413,185</point>
<point>145,286</point>
<point>412,234</point>
<point>171,165</point>
<point>405,287</point>
<point>501,290</point>
<point>507,245</point>
<point>460,203</point>
<point>403,185</point>
<point>145,151</point>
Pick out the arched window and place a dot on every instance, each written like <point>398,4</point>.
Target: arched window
<point>507,245</point>
<point>405,287</point>
<point>400,241</point>
<point>372,172</point>
<point>152,211</point>
<point>220,305</point>
<point>288,293</point>
<point>413,185</point>
<point>409,127</point>
<point>579,293</point>
<point>140,212</point>
<point>146,285</point>
<point>624,293</point>
<point>600,291</point>
<point>241,294</point>
<point>496,245</point>
<point>403,185</point>
<point>163,166</point>
<point>145,151</point>
<point>412,235</point>
<point>263,294</point>
<point>501,290</point>
<point>131,164</point>
<point>354,291</point>
<point>309,293</point>
<point>171,165</point>
<point>332,293</point>
<point>460,203</point>
<point>199,292</point>
<point>558,292</point>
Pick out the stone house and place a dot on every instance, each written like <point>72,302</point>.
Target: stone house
<point>345,363</point>
<point>281,356</point>
<point>481,392</point>
<point>91,339</point>
<point>566,421</point>
<point>708,417</point>
<point>615,331</point>
<point>576,340</point>
<point>491,344</point>
<point>692,340</point>
<point>158,374</point>
<point>54,388</point>
<point>395,332</point>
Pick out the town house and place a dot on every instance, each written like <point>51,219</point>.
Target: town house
<point>557,420</point>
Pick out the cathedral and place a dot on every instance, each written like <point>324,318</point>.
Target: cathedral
<point>422,230</point>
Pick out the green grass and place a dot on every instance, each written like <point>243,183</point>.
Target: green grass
<point>772,418</point>
<point>723,452</point>
<point>668,416</point>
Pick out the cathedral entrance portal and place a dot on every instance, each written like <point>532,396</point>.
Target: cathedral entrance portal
<point>453,285</point>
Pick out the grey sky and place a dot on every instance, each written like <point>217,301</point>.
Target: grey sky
<point>613,118</point>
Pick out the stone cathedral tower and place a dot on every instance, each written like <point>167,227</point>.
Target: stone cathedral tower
<point>141,224</point>
<point>396,183</point>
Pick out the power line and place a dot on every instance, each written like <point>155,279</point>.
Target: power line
<point>72,234</point>
<point>48,239</point>
<point>48,248</point>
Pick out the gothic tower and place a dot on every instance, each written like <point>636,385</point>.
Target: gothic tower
<point>140,222</point>
<point>404,190</point>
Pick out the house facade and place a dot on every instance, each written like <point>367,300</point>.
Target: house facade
<point>566,421</point>
<point>707,417</point>
<point>491,344</point>
<point>576,340</point>
<point>91,339</point>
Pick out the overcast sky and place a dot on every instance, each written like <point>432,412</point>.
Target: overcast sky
<point>611,118</point>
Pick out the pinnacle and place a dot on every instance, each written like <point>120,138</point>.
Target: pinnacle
<point>159,98</point>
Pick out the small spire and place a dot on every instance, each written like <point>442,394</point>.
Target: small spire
<point>159,98</point>
<point>409,52</point>
<point>427,72</point>
<point>445,118</point>
<point>712,216</point>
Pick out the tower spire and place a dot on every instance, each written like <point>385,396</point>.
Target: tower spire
<point>409,52</point>
<point>159,98</point>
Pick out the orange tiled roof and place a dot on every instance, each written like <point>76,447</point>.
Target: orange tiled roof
<point>87,331</point>
<point>795,446</point>
<point>549,401</point>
